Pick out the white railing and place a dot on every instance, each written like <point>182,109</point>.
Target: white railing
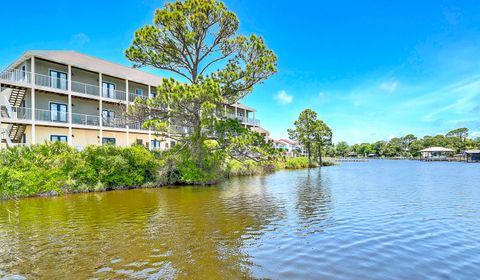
<point>51,116</point>
<point>137,126</point>
<point>85,88</point>
<point>6,137</point>
<point>114,122</point>
<point>17,113</point>
<point>114,94</point>
<point>15,75</point>
<point>84,119</point>
<point>132,96</point>
<point>51,82</point>
<point>243,119</point>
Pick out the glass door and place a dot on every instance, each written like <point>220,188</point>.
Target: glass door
<point>58,112</point>
<point>108,90</point>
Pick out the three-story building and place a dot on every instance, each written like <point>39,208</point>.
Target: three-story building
<point>79,99</point>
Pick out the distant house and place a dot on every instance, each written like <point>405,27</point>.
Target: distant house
<point>472,155</point>
<point>291,148</point>
<point>436,153</point>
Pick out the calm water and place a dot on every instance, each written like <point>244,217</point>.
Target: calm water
<point>375,220</point>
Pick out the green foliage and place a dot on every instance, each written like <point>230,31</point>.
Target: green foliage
<point>57,167</point>
<point>312,133</point>
<point>189,38</point>
<point>410,146</point>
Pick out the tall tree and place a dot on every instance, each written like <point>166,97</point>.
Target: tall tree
<point>304,131</point>
<point>342,148</point>
<point>189,38</point>
<point>322,138</point>
<point>460,133</point>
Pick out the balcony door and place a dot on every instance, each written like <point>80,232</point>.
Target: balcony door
<point>108,117</point>
<point>108,90</point>
<point>58,79</point>
<point>58,112</point>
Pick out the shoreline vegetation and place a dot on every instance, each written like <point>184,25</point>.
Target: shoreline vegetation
<point>55,168</point>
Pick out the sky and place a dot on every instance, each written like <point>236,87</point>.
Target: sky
<point>372,70</point>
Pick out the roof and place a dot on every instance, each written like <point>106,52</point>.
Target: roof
<point>472,151</point>
<point>288,141</point>
<point>260,130</point>
<point>95,64</point>
<point>242,106</point>
<point>436,149</point>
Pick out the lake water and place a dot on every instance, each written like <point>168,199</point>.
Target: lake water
<point>374,220</point>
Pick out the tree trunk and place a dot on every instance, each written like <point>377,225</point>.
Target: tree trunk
<point>320,156</point>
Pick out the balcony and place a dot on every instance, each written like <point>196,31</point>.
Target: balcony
<point>132,96</point>
<point>243,119</point>
<point>16,113</point>
<point>16,76</point>
<point>83,119</point>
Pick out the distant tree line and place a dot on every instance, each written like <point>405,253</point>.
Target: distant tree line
<point>407,146</point>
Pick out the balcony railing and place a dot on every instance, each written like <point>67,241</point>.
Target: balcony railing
<point>51,82</point>
<point>16,113</point>
<point>243,119</point>
<point>16,75</point>
<point>114,94</point>
<point>114,122</point>
<point>85,88</point>
<point>51,116</point>
<point>133,96</point>
<point>83,119</point>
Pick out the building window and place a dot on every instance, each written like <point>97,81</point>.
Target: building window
<point>58,112</point>
<point>153,94</point>
<point>58,79</point>
<point>172,144</point>
<point>139,142</point>
<point>108,117</point>
<point>155,144</point>
<point>139,92</point>
<point>58,138</point>
<point>108,89</point>
<point>109,140</point>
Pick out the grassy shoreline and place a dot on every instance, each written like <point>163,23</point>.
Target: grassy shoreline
<point>53,169</point>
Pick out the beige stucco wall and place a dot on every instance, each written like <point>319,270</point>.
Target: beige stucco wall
<point>119,83</point>
<point>42,100</point>
<point>84,137</point>
<point>132,87</point>
<point>42,67</point>
<point>85,106</point>
<point>85,77</point>
<point>43,133</point>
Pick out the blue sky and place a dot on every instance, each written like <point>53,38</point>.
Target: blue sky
<point>372,70</point>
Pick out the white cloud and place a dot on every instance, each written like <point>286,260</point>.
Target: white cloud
<point>283,97</point>
<point>475,134</point>
<point>389,86</point>
<point>79,39</point>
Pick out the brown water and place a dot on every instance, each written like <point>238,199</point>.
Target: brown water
<point>375,220</point>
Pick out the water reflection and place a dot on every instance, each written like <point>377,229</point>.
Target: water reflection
<point>376,220</point>
<point>313,203</point>
<point>168,233</point>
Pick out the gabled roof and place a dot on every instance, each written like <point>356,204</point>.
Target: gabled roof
<point>288,141</point>
<point>95,64</point>
<point>437,149</point>
<point>242,106</point>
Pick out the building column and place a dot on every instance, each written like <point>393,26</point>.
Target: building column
<point>149,130</point>
<point>254,120</point>
<point>100,108</point>
<point>70,132</point>
<point>245,117</point>
<point>127,100</point>
<point>34,132</point>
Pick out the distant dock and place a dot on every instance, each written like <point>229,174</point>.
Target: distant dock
<point>350,160</point>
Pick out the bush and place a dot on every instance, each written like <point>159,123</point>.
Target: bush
<point>57,167</point>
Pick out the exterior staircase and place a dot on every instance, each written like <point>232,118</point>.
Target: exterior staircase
<point>11,135</point>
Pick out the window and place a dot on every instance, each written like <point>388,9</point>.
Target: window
<point>108,140</point>
<point>58,79</point>
<point>58,112</point>
<point>153,94</point>
<point>24,72</point>
<point>108,117</point>
<point>155,144</point>
<point>108,89</point>
<point>58,138</point>
<point>139,142</point>
<point>139,92</point>
<point>172,144</point>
